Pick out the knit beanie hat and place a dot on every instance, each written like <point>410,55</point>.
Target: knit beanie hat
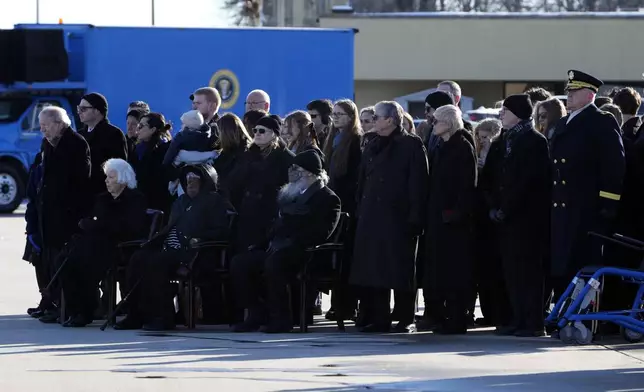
<point>520,105</point>
<point>98,102</point>
<point>270,123</point>
<point>438,99</point>
<point>309,160</point>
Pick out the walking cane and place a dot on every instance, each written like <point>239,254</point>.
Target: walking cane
<point>46,290</point>
<point>119,306</point>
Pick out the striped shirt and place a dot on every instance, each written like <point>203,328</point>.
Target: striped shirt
<point>172,240</point>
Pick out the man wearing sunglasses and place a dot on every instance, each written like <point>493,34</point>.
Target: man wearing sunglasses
<point>105,140</point>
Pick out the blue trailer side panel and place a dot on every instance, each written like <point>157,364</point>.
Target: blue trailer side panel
<point>163,66</point>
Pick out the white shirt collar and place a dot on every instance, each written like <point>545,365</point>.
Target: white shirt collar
<point>576,112</point>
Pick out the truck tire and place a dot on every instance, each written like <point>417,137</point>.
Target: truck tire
<point>12,188</point>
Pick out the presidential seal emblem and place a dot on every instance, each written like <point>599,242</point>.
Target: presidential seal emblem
<point>225,81</point>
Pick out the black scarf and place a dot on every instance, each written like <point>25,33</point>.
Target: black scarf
<point>511,134</point>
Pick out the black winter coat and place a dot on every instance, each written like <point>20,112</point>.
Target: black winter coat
<point>152,177</point>
<point>64,197</point>
<point>392,200</point>
<point>523,191</point>
<point>225,164</point>
<point>205,217</point>
<point>346,185</point>
<point>117,219</point>
<point>258,180</point>
<point>307,220</point>
<point>451,208</point>
<point>588,170</point>
<point>105,142</point>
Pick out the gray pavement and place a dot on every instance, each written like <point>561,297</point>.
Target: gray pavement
<point>34,355</point>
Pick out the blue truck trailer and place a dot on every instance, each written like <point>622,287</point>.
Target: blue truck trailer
<point>44,65</point>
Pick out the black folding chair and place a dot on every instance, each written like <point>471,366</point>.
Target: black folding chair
<point>324,267</point>
<point>155,220</point>
<point>220,250</point>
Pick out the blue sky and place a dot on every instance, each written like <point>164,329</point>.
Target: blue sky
<point>168,13</point>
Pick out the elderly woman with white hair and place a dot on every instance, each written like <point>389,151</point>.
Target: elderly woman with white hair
<point>118,215</point>
<point>449,240</point>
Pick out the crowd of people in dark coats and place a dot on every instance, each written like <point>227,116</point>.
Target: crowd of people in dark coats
<point>497,210</point>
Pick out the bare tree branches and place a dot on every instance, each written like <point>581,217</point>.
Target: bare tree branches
<point>245,12</point>
<point>263,12</point>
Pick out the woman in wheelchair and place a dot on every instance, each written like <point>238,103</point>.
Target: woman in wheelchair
<point>118,215</point>
<point>199,214</point>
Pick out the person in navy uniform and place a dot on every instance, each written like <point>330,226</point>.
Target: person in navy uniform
<point>588,167</point>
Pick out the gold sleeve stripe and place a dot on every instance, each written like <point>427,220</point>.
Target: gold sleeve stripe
<point>608,195</point>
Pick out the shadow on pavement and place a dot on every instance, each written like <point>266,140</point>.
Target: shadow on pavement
<point>215,343</point>
<point>588,381</point>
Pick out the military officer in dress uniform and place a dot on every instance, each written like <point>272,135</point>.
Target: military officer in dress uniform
<point>588,168</point>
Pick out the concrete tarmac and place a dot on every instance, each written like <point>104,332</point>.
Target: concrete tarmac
<point>35,356</point>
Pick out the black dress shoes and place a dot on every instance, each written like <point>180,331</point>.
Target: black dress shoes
<point>78,321</point>
<point>50,317</point>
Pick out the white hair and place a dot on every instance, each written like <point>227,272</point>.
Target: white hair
<point>263,93</point>
<point>192,119</point>
<point>323,178</point>
<point>390,109</point>
<point>124,172</point>
<point>451,115</point>
<point>56,114</point>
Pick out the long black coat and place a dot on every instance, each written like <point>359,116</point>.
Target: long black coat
<point>523,191</point>
<point>346,185</point>
<point>152,177</point>
<point>588,168</point>
<point>450,213</point>
<point>63,198</point>
<point>105,142</point>
<point>307,220</point>
<point>258,180</point>
<point>392,198</point>
<point>630,216</point>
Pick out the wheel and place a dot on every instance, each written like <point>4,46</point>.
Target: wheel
<point>12,188</point>
<point>566,334</point>
<point>631,336</point>
<point>582,334</point>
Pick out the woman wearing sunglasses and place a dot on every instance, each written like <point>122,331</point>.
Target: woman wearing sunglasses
<point>263,170</point>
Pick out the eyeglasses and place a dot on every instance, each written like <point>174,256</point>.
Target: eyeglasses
<point>261,131</point>
<point>255,102</point>
<point>82,109</point>
<point>338,114</point>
